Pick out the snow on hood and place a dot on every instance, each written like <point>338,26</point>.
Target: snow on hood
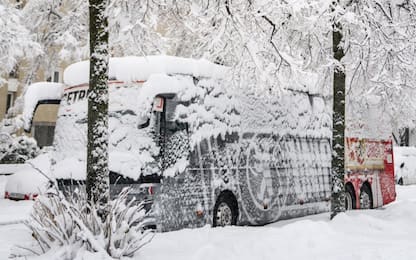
<point>133,68</point>
<point>37,92</point>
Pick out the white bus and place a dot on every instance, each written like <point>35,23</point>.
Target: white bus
<point>202,151</point>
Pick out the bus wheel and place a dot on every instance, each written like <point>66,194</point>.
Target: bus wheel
<point>225,211</point>
<point>366,198</point>
<point>349,198</point>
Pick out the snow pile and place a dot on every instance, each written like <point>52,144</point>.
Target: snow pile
<point>35,93</point>
<point>405,164</point>
<point>362,234</point>
<point>213,113</point>
<point>389,233</point>
<point>28,180</point>
<point>161,84</point>
<point>13,212</point>
<point>129,69</point>
<point>211,110</point>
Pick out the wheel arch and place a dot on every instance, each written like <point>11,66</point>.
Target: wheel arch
<point>366,184</point>
<point>230,195</point>
<point>350,186</point>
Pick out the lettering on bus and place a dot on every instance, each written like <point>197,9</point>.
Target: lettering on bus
<point>75,96</point>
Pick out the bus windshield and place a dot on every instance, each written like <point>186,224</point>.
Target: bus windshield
<point>130,146</point>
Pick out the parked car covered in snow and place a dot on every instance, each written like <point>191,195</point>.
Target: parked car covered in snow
<point>30,180</point>
<point>9,169</point>
<point>405,165</point>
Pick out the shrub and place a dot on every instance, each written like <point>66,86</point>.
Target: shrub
<point>18,149</point>
<point>67,228</point>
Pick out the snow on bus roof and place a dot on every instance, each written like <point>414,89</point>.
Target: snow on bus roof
<point>132,68</point>
<point>40,91</point>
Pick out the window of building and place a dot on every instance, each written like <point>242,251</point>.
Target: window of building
<point>54,77</point>
<point>10,100</point>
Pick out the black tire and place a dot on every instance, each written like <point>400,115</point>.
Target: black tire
<point>225,211</point>
<point>350,200</point>
<point>366,197</point>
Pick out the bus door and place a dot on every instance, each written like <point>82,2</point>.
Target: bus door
<point>171,135</point>
<point>388,188</point>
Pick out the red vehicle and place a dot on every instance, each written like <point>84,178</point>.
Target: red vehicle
<point>369,174</point>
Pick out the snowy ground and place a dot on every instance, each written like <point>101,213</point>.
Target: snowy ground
<point>12,213</point>
<point>386,233</point>
<point>3,180</point>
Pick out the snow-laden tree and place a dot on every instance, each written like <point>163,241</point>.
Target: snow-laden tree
<point>16,41</point>
<point>369,45</point>
<point>135,28</point>
<point>61,29</point>
<point>384,68</point>
<point>378,39</point>
<point>253,37</point>
<point>60,34</point>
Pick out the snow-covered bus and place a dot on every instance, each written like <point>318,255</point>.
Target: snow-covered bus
<point>203,152</point>
<point>369,174</point>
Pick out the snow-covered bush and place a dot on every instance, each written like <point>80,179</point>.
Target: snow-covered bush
<point>18,149</point>
<point>69,227</point>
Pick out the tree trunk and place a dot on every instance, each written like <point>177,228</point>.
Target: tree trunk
<point>338,128</point>
<point>404,136</point>
<point>97,184</point>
